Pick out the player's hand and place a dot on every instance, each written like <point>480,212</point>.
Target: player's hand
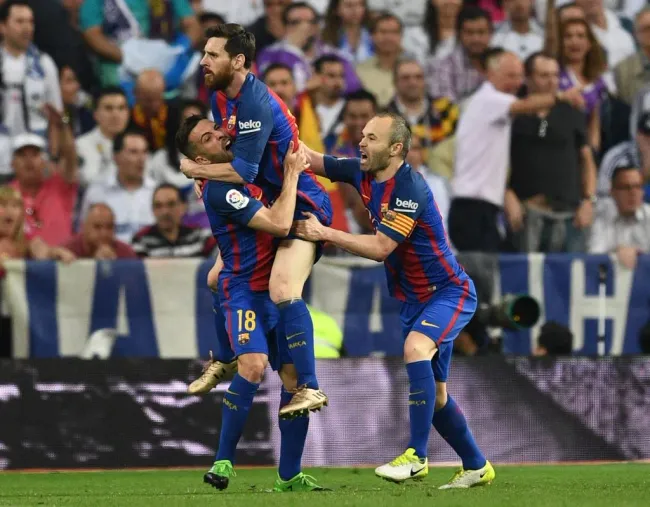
<point>295,163</point>
<point>188,167</point>
<point>309,229</point>
<point>105,253</point>
<point>198,188</point>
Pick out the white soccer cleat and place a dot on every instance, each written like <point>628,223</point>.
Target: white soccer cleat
<point>406,466</point>
<point>213,372</point>
<point>464,479</point>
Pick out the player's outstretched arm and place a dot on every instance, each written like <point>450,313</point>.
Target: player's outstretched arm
<point>277,219</point>
<point>371,246</point>
<point>316,160</point>
<point>224,172</point>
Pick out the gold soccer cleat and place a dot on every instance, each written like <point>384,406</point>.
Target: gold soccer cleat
<point>304,400</point>
<point>213,372</point>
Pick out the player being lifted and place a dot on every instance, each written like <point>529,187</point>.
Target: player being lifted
<point>438,297</point>
<point>245,230</point>
<point>262,128</point>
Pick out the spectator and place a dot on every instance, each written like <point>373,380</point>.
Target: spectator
<point>409,13</point>
<point>430,119</point>
<point>635,153</point>
<point>459,74</point>
<point>559,16</point>
<point>49,199</point>
<point>520,33</point>
<point>30,79</point>
<point>269,28</point>
<point>210,20</point>
<point>95,149</point>
<point>278,77</point>
<point>360,107</point>
<point>242,13</point>
<point>345,27</point>
<point>622,224</point>
<point>108,25</point>
<point>494,8</point>
<point>439,186</point>
<point>301,46</point>
<point>482,149</point>
<point>128,192</point>
<point>633,73</point>
<point>549,202</point>
<point>75,102</point>
<point>376,73</point>
<point>97,238</point>
<point>168,237</point>
<point>164,167</point>
<point>607,28</point>
<point>554,340</point>
<point>150,113</point>
<point>328,96</point>
<point>436,35</point>
<point>582,65</point>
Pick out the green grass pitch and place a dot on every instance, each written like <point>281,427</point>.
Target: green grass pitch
<point>615,485</point>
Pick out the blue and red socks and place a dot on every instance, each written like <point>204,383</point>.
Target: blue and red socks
<point>293,434</point>
<point>422,398</point>
<point>450,422</point>
<point>223,352</point>
<point>297,328</point>
<point>236,404</point>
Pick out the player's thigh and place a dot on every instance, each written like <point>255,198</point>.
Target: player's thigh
<point>294,259</point>
<point>418,347</point>
<point>245,323</point>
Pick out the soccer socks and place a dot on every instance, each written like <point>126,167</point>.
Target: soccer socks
<point>224,352</point>
<point>450,422</point>
<point>422,397</point>
<point>298,329</point>
<point>236,405</point>
<point>292,442</point>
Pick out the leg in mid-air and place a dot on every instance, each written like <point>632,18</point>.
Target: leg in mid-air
<point>222,365</point>
<point>293,434</point>
<point>291,268</point>
<point>450,423</point>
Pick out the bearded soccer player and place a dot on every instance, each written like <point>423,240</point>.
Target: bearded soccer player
<point>262,128</point>
<point>245,231</point>
<point>438,297</point>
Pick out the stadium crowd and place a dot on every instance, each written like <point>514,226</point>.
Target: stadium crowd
<point>93,92</point>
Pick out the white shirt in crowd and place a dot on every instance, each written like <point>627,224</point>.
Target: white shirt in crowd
<point>95,152</point>
<point>617,42</point>
<point>627,8</point>
<point>523,45</point>
<point>13,75</point>
<point>610,230</point>
<point>411,12</point>
<point>415,42</point>
<point>483,146</point>
<point>243,12</point>
<point>440,189</point>
<point>132,208</point>
<point>328,116</point>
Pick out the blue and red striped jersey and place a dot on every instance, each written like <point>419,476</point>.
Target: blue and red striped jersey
<point>262,128</point>
<point>247,254</point>
<point>403,208</point>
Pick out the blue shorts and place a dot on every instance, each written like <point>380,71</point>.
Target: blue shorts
<point>441,318</point>
<point>251,319</point>
<point>323,214</point>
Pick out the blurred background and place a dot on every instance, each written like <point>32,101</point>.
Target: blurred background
<point>104,248</point>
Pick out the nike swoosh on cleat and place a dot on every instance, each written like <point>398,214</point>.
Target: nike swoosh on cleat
<point>483,474</point>
<point>415,472</point>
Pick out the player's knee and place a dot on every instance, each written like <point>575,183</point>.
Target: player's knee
<point>441,395</point>
<point>289,376</point>
<point>252,366</point>
<point>418,347</point>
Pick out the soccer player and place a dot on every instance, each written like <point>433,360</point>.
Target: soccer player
<point>262,128</point>
<point>438,297</point>
<point>245,231</point>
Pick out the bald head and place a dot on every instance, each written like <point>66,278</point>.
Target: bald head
<point>99,227</point>
<point>149,91</point>
<point>506,72</point>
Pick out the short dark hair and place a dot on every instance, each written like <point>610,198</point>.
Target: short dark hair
<point>359,96</point>
<point>276,66</point>
<point>623,168</point>
<point>168,186</point>
<point>385,16</point>
<point>471,13</point>
<point>318,64</point>
<point>106,91</point>
<point>5,8</point>
<point>183,135</point>
<point>400,131</point>
<point>118,142</point>
<point>238,41</point>
<point>296,5</point>
<point>198,104</point>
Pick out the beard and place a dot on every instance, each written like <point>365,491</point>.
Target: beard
<point>378,161</point>
<point>222,157</point>
<point>220,80</point>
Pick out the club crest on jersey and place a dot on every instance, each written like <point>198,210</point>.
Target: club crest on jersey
<point>236,199</point>
<point>390,215</point>
<point>384,207</point>
<point>231,122</point>
<point>243,338</point>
